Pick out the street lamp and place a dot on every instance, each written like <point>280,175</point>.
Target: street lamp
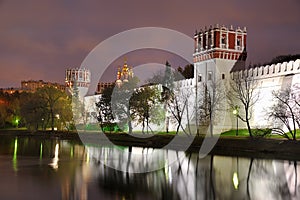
<point>236,113</point>
<point>17,122</point>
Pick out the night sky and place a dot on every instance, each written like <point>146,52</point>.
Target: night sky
<point>40,39</point>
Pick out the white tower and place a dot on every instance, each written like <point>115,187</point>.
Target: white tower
<point>78,78</point>
<point>217,52</point>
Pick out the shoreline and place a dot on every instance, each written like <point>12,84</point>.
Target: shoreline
<point>225,145</point>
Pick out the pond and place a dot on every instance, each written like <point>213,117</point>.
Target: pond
<point>36,168</point>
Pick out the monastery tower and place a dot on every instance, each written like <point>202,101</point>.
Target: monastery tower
<point>78,78</point>
<point>217,51</point>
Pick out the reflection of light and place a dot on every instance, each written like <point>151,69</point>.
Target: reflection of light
<point>54,163</point>
<point>168,172</point>
<point>15,155</point>
<point>72,152</point>
<point>235,180</point>
<point>41,151</point>
<point>87,156</point>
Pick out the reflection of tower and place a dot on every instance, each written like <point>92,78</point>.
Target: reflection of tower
<point>124,74</point>
<point>78,79</point>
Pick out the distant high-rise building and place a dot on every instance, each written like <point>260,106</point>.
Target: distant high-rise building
<point>33,85</point>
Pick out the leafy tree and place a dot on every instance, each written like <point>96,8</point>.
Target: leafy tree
<point>283,58</point>
<point>145,106</point>
<point>3,114</point>
<point>33,111</point>
<point>187,72</point>
<point>77,106</point>
<point>9,109</point>
<point>47,107</point>
<point>105,115</point>
<point>51,98</point>
<point>121,105</point>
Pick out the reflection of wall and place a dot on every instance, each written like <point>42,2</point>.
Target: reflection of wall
<point>189,177</point>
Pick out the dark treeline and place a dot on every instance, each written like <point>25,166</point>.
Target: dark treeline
<point>278,59</point>
<point>46,108</point>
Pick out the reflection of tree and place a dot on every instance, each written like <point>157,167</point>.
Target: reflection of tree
<point>211,182</point>
<point>248,178</point>
<point>136,185</point>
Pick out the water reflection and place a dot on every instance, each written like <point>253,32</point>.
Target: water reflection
<point>14,160</point>
<point>56,169</point>
<point>54,163</point>
<point>214,177</point>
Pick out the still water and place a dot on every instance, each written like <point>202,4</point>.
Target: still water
<point>35,168</point>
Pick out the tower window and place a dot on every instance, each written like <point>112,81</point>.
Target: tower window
<point>209,41</point>
<point>223,41</point>
<point>238,43</point>
<point>199,78</point>
<point>209,76</point>
<point>223,76</point>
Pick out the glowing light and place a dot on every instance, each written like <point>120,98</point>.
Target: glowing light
<point>235,180</point>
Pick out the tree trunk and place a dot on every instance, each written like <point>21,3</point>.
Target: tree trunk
<point>247,122</point>
<point>52,120</point>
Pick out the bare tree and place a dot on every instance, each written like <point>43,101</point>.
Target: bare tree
<point>242,91</point>
<point>178,106</point>
<point>287,111</point>
<point>211,103</point>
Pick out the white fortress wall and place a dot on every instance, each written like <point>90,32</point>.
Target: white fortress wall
<point>91,109</point>
<point>271,78</point>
